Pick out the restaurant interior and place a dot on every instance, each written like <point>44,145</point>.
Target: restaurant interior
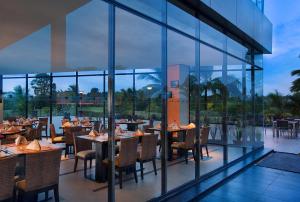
<point>105,100</point>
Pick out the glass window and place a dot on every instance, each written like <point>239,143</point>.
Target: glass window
<point>65,97</point>
<point>153,8</point>
<point>87,37</point>
<point>181,59</point>
<point>91,97</point>
<point>138,47</point>
<point>212,107</point>
<point>39,95</point>
<point>14,97</point>
<point>182,20</point>
<point>212,36</point>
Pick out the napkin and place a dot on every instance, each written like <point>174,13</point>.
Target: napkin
<point>118,131</point>
<point>66,124</point>
<point>157,126</point>
<point>191,126</point>
<point>20,140</point>
<point>12,129</point>
<point>34,145</point>
<point>139,132</point>
<point>93,133</point>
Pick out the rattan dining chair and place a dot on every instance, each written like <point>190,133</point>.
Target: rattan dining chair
<point>147,152</point>
<point>204,133</point>
<point>41,175</point>
<point>69,140</point>
<point>55,137</point>
<point>126,159</point>
<point>43,121</point>
<point>84,151</point>
<point>187,144</point>
<point>7,181</point>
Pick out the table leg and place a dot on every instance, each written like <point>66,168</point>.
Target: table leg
<point>100,169</point>
<point>170,152</point>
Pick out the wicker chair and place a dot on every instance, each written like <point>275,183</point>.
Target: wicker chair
<point>43,121</point>
<point>7,173</point>
<point>204,140</point>
<point>187,145</point>
<point>55,137</point>
<point>126,159</point>
<point>150,125</point>
<point>147,152</point>
<point>41,175</point>
<point>84,151</point>
<point>69,140</point>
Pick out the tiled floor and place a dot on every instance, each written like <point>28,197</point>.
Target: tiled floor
<point>259,184</point>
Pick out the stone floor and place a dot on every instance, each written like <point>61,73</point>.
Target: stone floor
<point>259,184</point>
<point>74,187</point>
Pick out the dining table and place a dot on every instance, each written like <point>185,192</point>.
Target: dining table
<point>131,125</point>
<point>6,133</point>
<point>101,144</point>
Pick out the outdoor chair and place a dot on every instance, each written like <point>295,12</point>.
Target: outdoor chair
<point>126,159</point>
<point>55,137</point>
<point>41,175</point>
<point>204,133</point>
<point>186,145</point>
<point>69,140</point>
<point>147,152</point>
<point>7,174</point>
<point>43,121</point>
<point>83,150</point>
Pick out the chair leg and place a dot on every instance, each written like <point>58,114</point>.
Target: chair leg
<point>186,154</point>
<point>201,154</point>
<point>85,167</point>
<point>56,193</point>
<point>135,174</point>
<point>154,166</point>
<point>75,164</point>
<point>120,178</point>
<point>142,169</point>
<point>206,151</point>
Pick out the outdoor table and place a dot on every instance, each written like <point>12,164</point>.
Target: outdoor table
<point>131,125</point>
<point>101,143</point>
<point>170,132</point>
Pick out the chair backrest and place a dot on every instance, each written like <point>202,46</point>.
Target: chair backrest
<point>7,173</point>
<point>149,143</point>
<point>42,169</point>
<point>190,138</point>
<point>30,134</point>
<point>284,124</point>
<point>52,131</point>
<point>43,121</point>
<point>69,131</point>
<point>38,131</point>
<point>204,133</point>
<point>81,144</point>
<point>128,151</point>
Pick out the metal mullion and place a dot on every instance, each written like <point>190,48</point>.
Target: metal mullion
<point>26,96</point>
<point>111,105</point>
<point>164,115</point>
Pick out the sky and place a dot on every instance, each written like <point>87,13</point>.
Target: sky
<point>285,17</point>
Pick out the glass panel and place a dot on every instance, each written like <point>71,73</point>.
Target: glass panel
<point>212,36</point>
<point>259,115</point>
<point>236,49</point>
<point>153,8</point>
<point>64,97</point>
<point>134,35</point>
<point>181,59</point>
<point>138,46</point>
<point>14,97</point>
<point>212,73</point>
<point>39,95</point>
<point>182,20</point>
<point>147,96</point>
<point>235,108</point>
<point>91,97</point>
<point>87,37</point>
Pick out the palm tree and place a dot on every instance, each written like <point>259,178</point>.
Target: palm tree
<point>296,83</point>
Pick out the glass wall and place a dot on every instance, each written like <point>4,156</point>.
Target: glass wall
<point>161,61</point>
